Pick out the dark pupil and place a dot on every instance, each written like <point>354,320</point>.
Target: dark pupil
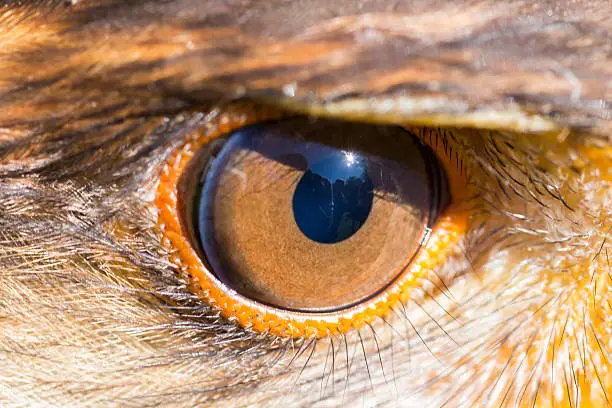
<point>333,198</point>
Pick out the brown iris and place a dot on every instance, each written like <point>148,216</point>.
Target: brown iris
<point>312,216</point>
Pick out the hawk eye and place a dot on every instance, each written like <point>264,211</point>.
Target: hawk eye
<point>313,215</point>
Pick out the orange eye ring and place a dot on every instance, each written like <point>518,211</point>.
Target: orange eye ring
<point>261,318</point>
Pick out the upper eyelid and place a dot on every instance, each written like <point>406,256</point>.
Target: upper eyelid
<point>171,129</point>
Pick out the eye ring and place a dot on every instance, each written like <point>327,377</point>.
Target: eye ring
<point>262,318</point>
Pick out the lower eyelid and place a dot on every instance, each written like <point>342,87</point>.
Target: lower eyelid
<point>440,241</point>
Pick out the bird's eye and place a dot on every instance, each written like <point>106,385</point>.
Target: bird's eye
<point>315,216</point>
<point>297,226</point>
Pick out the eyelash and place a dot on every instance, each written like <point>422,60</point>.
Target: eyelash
<point>440,241</point>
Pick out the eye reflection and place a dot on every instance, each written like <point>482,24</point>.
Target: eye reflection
<point>316,216</point>
<point>333,198</point>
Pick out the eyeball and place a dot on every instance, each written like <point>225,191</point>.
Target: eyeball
<point>315,216</point>
<point>300,227</point>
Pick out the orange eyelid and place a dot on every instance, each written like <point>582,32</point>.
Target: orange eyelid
<point>262,318</point>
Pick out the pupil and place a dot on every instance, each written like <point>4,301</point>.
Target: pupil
<point>333,198</point>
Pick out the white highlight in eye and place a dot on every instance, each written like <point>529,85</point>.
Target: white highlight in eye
<point>426,235</point>
<point>349,158</point>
